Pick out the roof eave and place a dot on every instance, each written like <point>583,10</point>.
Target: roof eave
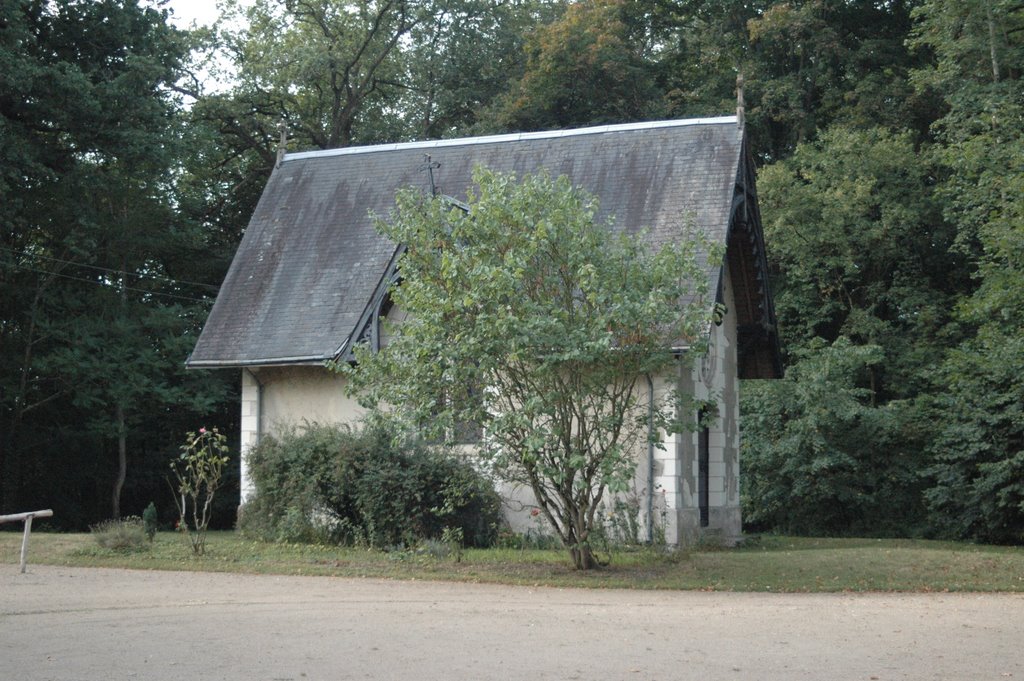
<point>316,360</point>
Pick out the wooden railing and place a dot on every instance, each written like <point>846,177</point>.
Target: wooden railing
<point>27,519</point>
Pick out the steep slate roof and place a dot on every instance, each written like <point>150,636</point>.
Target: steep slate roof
<point>311,262</point>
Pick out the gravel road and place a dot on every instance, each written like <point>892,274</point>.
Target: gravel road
<point>95,624</point>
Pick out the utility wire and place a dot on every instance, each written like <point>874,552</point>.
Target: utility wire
<point>156,277</point>
<point>100,283</point>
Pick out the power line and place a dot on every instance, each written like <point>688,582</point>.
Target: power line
<point>100,283</point>
<point>155,277</point>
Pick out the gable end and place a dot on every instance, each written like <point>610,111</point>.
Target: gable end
<point>758,352</point>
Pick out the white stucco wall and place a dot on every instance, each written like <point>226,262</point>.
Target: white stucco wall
<point>250,428</point>
<point>277,397</point>
<point>678,465</point>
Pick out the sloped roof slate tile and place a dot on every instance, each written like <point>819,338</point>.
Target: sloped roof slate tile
<point>311,260</point>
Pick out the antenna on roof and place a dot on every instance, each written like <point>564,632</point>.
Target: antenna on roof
<point>739,100</point>
<point>282,145</point>
<point>429,166</point>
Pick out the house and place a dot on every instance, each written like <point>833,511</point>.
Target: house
<point>309,279</point>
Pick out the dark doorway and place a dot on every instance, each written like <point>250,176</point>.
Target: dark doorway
<point>703,465</point>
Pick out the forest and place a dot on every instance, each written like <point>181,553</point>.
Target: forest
<point>888,137</point>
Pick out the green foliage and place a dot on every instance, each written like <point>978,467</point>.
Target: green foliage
<point>198,472</point>
<point>807,65</point>
<point>865,283</point>
<point>94,316</point>
<point>150,520</point>
<point>877,238</point>
<point>819,459</point>
<point>978,476</point>
<point>339,485</point>
<point>974,42</point>
<point>584,67</point>
<point>124,535</point>
<point>531,318</point>
<point>460,60</point>
<point>328,66</point>
<point>340,73</point>
<point>453,539</point>
<point>861,250</point>
<point>813,64</point>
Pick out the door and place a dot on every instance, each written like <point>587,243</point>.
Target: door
<point>703,466</point>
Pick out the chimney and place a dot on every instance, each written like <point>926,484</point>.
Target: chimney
<point>739,100</point>
<point>282,145</point>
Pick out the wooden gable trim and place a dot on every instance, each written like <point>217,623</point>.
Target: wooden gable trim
<point>758,352</point>
<point>367,329</point>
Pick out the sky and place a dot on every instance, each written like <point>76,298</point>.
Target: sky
<point>203,13</point>
<point>187,11</point>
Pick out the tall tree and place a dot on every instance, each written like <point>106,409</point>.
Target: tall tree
<point>864,284</point>
<point>861,250</point>
<point>329,67</point>
<point>89,249</point>
<point>820,458</point>
<point>815,63</point>
<point>462,59</point>
<point>587,66</point>
<point>978,477</point>
<point>807,64</point>
<point>339,73</point>
<point>529,317</point>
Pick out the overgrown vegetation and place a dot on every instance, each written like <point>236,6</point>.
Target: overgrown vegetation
<point>371,486</point>
<point>819,459</point>
<point>771,564</point>
<point>123,534</point>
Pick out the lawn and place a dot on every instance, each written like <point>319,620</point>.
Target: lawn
<point>768,563</point>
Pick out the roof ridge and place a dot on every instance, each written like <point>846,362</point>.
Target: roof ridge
<point>508,137</point>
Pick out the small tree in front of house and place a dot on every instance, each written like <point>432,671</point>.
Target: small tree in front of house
<point>198,471</point>
<point>529,317</point>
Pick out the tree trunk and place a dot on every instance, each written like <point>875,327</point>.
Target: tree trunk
<point>122,430</point>
<point>11,472</point>
<point>582,557</point>
<point>580,551</point>
<point>122,459</point>
<point>992,42</point>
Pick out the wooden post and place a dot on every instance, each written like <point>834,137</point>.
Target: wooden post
<point>24,542</point>
<point>27,519</point>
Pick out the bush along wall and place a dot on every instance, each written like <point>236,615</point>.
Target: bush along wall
<point>369,485</point>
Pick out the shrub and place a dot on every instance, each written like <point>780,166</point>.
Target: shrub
<point>124,534</point>
<point>373,486</point>
<point>149,521</point>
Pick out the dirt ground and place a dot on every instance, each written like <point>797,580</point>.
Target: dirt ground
<point>85,624</point>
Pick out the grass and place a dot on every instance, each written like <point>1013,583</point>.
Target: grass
<point>770,563</point>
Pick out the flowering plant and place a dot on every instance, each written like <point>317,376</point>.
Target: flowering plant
<point>198,470</point>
